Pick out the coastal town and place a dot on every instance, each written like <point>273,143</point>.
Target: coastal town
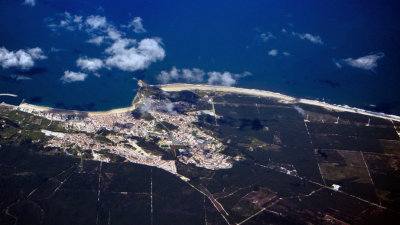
<point>188,143</point>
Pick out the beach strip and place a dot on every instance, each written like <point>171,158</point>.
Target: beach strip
<point>269,94</point>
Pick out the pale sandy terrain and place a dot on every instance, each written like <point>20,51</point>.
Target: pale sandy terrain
<point>94,113</point>
<point>34,107</point>
<point>181,87</point>
<point>6,94</point>
<point>261,93</point>
<point>284,98</point>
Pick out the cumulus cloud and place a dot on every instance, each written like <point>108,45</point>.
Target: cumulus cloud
<point>267,36</point>
<point>23,59</point>
<point>96,22</point>
<point>36,53</point>
<point>30,2</point>
<point>96,26</point>
<point>123,53</point>
<point>90,64</point>
<point>225,78</point>
<point>113,33</point>
<point>368,62</point>
<point>309,37</point>
<point>70,76</point>
<point>196,75</point>
<point>137,25</point>
<point>97,40</point>
<point>273,52</point>
<point>218,78</point>
<point>67,21</point>
<point>128,55</point>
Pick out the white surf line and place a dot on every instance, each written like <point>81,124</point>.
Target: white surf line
<point>7,94</point>
<point>269,94</point>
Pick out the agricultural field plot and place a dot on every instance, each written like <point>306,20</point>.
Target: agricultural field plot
<point>385,172</point>
<point>347,169</point>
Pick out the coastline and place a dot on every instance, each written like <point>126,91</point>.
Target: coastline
<point>284,98</point>
<point>7,94</point>
<point>37,108</point>
<point>203,87</point>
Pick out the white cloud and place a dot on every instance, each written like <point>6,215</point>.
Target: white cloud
<point>70,76</point>
<point>113,33</point>
<point>98,40</point>
<point>225,78</point>
<point>54,49</point>
<point>368,62</point>
<point>267,36</point>
<point>96,22</point>
<point>23,59</point>
<point>128,55</point>
<point>68,22</point>
<point>20,77</point>
<point>196,75</point>
<point>299,110</point>
<point>309,37</point>
<point>96,26</point>
<point>273,52</point>
<point>36,53</point>
<point>90,64</point>
<point>338,65</point>
<point>284,30</point>
<point>124,53</point>
<point>218,78</point>
<point>30,2</point>
<point>137,25</point>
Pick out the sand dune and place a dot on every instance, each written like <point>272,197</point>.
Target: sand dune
<point>269,94</point>
<point>253,92</point>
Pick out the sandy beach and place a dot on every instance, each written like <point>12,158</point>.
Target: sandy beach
<point>7,94</point>
<point>269,94</point>
<point>181,87</point>
<point>37,108</point>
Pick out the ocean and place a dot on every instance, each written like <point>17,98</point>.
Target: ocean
<point>234,36</point>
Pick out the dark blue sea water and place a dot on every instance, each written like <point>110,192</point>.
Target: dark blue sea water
<point>214,35</point>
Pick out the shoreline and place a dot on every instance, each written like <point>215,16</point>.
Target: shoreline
<point>269,94</point>
<point>38,108</point>
<point>7,94</point>
<point>203,87</point>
